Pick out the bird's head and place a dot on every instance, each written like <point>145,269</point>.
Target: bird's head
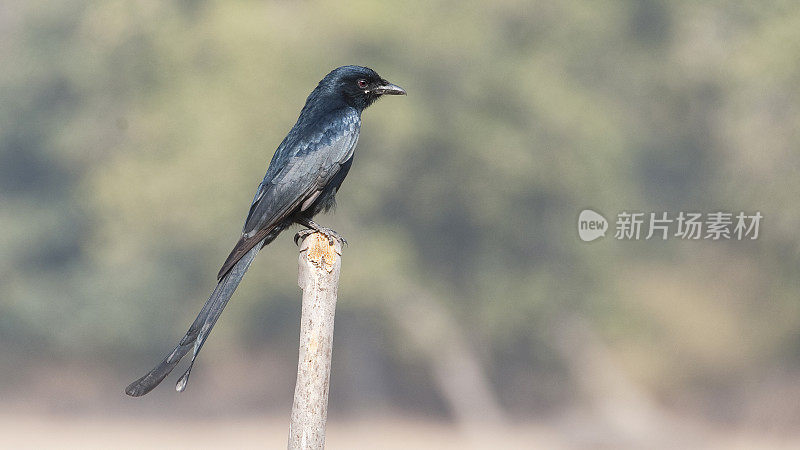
<point>358,86</point>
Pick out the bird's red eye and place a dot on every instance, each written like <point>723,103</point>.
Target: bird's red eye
<point>361,83</point>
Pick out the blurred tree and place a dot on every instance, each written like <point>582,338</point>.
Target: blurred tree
<point>132,135</point>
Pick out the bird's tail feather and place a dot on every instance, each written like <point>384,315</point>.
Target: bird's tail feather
<point>198,331</point>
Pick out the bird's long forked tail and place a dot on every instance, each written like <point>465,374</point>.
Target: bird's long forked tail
<point>198,332</point>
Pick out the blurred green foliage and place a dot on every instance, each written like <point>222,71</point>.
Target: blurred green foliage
<point>132,135</point>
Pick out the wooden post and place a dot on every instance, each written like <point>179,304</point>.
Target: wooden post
<point>320,264</point>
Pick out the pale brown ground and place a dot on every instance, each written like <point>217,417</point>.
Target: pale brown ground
<point>47,431</point>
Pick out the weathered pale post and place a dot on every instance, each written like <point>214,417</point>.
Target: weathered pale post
<point>320,264</point>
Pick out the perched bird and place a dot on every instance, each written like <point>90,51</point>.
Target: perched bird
<point>302,179</point>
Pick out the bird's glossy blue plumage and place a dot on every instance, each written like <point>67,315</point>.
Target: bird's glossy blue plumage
<point>302,179</point>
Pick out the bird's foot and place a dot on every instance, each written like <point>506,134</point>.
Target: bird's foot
<point>327,232</point>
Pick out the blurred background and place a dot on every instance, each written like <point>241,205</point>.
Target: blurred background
<point>470,315</point>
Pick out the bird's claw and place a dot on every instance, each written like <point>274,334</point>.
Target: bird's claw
<point>302,234</point>
<point>332,235</point>
<point>327,232</point>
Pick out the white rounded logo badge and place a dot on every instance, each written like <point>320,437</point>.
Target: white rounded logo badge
<point>591,225</point>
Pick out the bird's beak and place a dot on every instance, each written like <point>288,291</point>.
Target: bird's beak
<point>389,89</point>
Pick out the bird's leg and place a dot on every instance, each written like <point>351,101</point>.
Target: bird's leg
<point>314,227</point>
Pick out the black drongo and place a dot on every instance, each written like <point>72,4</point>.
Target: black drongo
<point>302,179</point>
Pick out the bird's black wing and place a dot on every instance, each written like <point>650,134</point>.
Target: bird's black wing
<point>300,171</point>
